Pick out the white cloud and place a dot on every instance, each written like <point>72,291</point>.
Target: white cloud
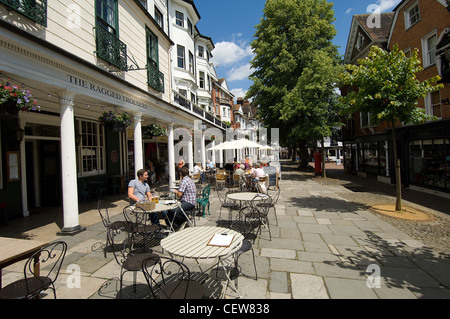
<point>238,93</point>
<point>239,73</point>
<point>227,53</point>
<point>387,5</point>
<point>348,10</point>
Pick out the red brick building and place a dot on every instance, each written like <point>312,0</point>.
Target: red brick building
<point>424,149</point>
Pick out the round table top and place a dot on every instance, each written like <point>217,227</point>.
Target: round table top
<point>193,242</point>
<point>162,206</point>
<point>245,196</point>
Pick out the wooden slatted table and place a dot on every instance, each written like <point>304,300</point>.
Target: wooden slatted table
<point>13,250</point>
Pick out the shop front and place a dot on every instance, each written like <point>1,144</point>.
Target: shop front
<point>428,154</point>
<point>372,155</point>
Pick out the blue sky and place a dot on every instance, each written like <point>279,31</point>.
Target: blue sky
<point>231,25</point>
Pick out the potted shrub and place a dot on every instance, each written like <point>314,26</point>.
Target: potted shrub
<point>115,121</point>
<point>14,99</point>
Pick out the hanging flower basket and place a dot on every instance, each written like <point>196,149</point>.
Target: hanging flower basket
<point>154,130</point>
<point>117,122</point>
<point>9,110</point>
<point>14,99</point>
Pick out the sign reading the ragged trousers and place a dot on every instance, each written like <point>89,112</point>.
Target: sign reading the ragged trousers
<point>104,91</point>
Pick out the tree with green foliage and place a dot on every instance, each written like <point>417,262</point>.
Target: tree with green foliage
<point>388,89</point>
<point>296,66</point>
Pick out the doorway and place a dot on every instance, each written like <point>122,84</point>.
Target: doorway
<point>43,168</point>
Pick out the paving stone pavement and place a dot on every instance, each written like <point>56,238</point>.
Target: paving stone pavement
<point>323,246</point>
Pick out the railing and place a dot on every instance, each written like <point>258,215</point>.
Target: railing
<point>198,110</point>
<point>155,78</point>
<point>223,101</point>
<point>182,101</point>
<point>35,10</point>
<point>187,104</point>
<point>111,49</point>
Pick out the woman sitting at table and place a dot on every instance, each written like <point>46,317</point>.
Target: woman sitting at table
<point>187,197</point>
<point>259,173</point>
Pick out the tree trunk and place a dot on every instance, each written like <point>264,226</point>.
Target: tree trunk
<point>398,178</point>
<point>324,173</point>
<point>303,152</point>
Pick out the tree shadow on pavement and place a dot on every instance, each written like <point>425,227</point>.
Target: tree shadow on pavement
<point>394,265</point>
<point>327,204</point>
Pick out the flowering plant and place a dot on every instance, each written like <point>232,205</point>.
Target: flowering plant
<point>22,97</point>
<point>114,117</point>
<point>154,130</point>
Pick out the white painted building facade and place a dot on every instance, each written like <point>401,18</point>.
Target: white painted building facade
<point>81,59</point>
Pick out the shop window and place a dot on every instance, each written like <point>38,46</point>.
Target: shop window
<point>382,159</point>
<point>370,155</point>
<point>447,163</point>
<point>1,156</point>
<point>429,162</point>
<point>91,151</point>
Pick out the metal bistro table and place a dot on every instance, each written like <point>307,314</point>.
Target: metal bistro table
<point>245,197</point>
<point>193,243</point>
<point>160,207</point>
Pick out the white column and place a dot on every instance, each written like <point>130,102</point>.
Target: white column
<point>138,153</point>
<point>69,166</point>
<point>213,153</point>
<point>25,211</point>
<point>190,153</point>
<point>203,150</point>
<point>171,151</point>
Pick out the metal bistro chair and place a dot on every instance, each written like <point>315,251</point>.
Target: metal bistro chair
<point>139,220</point>
<point>203,201</point>
<point>117,225</point>
<point>221,178</point>
<point>50,259</point>
<point>258,213</point>
<point>274,192</point>
<point>228,204</point>
<point>168,278</point>
<point>126,257</point>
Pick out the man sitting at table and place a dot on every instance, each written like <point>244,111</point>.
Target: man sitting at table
<point>186,194</point>
<point>138,188</point>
